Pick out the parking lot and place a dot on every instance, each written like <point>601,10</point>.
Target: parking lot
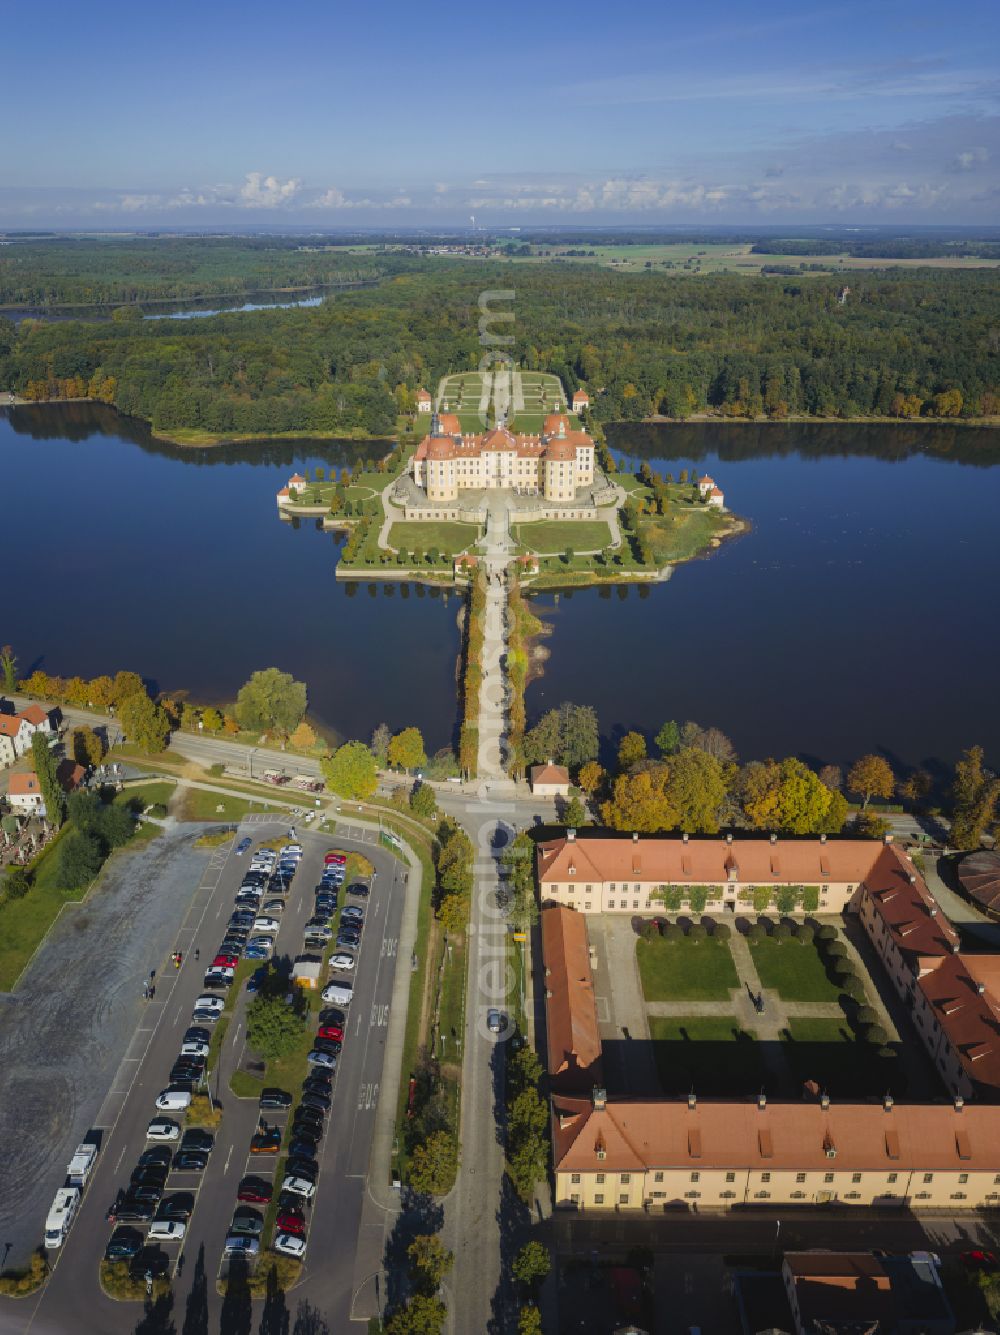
<point>208,1198</point>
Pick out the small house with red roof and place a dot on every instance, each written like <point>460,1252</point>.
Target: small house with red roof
<point>716,499</point>
<point>705,485</point>
<point>581,400</point>
<point>424,401</point>
<point>549,780</point>
<point>24,794</point>
<point>15,737</point>
<point>39,719</point>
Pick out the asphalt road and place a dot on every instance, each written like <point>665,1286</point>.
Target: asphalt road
<point>73,1300</point>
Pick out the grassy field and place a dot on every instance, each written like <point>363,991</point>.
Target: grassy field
<point>555,535</point>
<point>447,536</point>
<point>137,798</point>
<point>707,1053</point>
<point>682,533</point>
<point>199,804</point>
<point>794,970</point>
<point>686,970</point>
<point>709,258</point>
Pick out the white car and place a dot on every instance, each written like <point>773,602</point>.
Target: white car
<point>292,850</point>
<point>339,993</point>
<point>194,1048</point>
<point>341,961</point>
<point>173,1100</point>
<point>162,1128</point>
<point>167,1230</point>
<point>289,1244</point>
<point>301,1186</point>
<point>210,1003</point>
<point>220,971</point>
<point>265,924</point>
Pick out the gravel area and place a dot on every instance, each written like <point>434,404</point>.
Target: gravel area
<point>65,1030</point>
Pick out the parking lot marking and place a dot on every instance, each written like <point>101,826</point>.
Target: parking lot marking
<point>228,1157</point>
<point>120,1158</point>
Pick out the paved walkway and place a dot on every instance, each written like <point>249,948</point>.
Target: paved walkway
<point>493,696</point>
<point>775,1009</point>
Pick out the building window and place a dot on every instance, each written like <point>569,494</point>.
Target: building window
<point>962,1179</point>
<point>798,1195</point>
<point>762,1195</point>
<point>928,1177</point>
<point>892,1177</point>
<point>695,1177</point>
<point>958,1195</point>
<point>827,1177</point>
<point>692,1195</point>
<point>600,1179</point>
<point>800,1177</point>
<point>731,1177</point>
<point>599,1198</point>
<point>635,903</point>
<point>853,1196</point>
<point>765,1177</point>
<point>574,1178</point>
<point>657,1177</point>
<point>923,1196</point>
<point>726,1195</point>
<point>626,1179</point>
<point>623,1198</point>
<point>855,1177</point>
<point>611,903</point>
<point>586,907</point>
<point>575,1198</point>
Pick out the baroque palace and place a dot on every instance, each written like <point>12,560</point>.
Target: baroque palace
<point>552,465</point>
<point>644,1154</point>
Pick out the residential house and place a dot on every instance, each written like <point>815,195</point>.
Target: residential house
<point>25,795</point>
<point>15,737</point>
<point>424,401</point>
<point>39,719</point>
<point>549,780</point>
<point>581,400</point>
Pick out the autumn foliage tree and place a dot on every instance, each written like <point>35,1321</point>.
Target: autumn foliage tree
<point>869,777</point>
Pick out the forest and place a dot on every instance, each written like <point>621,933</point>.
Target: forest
<point>907,343</point>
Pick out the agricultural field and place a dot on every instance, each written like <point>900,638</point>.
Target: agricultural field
<point>709,258</point>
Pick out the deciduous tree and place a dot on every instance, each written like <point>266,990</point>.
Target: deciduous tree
<point>271,700</point>
<point>871,776</point>
<point>88,749</point>
<point>406,750</point>
<point>274,1029</point>
<point>433,1164</point>
<point>531,1264</point>
<point>631,749</point>
<point>351,771</point>
<point>8,668</point>
<point>590,777</point>
<point>976,792</point>
<point>430,1261</point>
<point>144,722</point>
<point>668,739</point>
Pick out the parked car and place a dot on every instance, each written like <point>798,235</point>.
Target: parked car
<point>353,911</point>
<point>190,1161</point>
<point>335,859</point>
<point>257,953</point>
<point>223,961</point>
<point>161,1128</point>
<point>332,1031</point>
<point>194,1047</point>
<point>209,1003</point>
<point>319,1058</point>
<point>158,1155</point>
<point>167,1230</point>
<point>179,1205</point>
<point>266,1142</point>
<point>289,1244</point>
<point>273,906</point>
<point>248,1222</point>
<point>340,992</point>
<point>496,1021</point>
<point>197,1138</point>
<point>148,1175</point>
<point>123,1244</point>
<point>318,1081</point>
<point>256,1190</point>
<point>275,1098</point>
<point>266,924</point>
<point>173,1100</point>
<point>299,1186</point>
<point>242,847</point>
<point>348,940</point>
<point>133,1210</point>
<point>340,961</point>
<point>238,1244</point>
<point>359,889</point>
<point>291,1221</point>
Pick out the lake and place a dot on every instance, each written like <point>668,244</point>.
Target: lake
<point>120,552</point>
<point>858,614</point>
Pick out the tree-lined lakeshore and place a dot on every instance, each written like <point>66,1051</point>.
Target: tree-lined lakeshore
<point>907,344</point>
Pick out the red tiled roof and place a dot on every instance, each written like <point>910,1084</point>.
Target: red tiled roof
<point>580,394</point>
<point>907,907</point>
<point>10,724</point>
<point>440,447</point>
<point>296,480</point>
<point>706,481</point>
<point>559,449</point>
<point>35,715</point>
<point>715,492</point>
<point>23,785</point>
<point>70,774</point>
<point>284,492</point>
<point>571,1028</point>
<point>422,395</point>
<point>548,773</point>
<point>656,1133</point>
<point>553,423</point>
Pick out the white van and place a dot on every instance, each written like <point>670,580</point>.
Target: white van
<point>173,1100</point>
<point>61,1216</point>
<point>341,993</point>
<point>167,1230</point>
<point>83,1160</point>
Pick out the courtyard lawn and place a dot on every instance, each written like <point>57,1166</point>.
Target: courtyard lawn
<point>794,970</point>
<point>582,535</point>
<point>447,536</point>
<point>686,970</point>
<point>828,1052</point>
<point>707,1053</point>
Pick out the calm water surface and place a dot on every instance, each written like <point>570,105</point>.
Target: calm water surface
<point>121,553</point>
<point>859,613</point>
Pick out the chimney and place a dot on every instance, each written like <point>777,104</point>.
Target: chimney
<point>600,1098</point>
<point>959,1103</point>
<point>762,1100</point>
<point>980,988</point>
<point>887,1103</point>
<point>822,838</point>
<point>824,1101</point>
<point>933,910</point>
<point>955,947</point>
<point>570,835</point>
<point>912,878</point>
<point>692,1100</point>
<point>635,837</point>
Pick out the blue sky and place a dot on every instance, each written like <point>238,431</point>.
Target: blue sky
<point>323,113</point>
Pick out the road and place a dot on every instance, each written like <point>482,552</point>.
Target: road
<point>73,1300</point>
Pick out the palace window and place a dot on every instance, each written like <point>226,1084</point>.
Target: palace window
<point>695,1177</point>
<point>893,1177</point>
<point>574,1178</point>
<point>600,1179</point>
<point>731,1177</point>
<point>962,1179</point>
<point>626,1179</point>
<point>928,1177</point>
<point>657,1177</point>
<point>855,1177</point>
<point>827,1177</point>
<point>800,1177</point>
<point>765,1177</point>
<point>762,1195</point>
<point>599,1198</point>
<point>692,1195</point>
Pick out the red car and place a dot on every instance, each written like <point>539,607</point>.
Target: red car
<point>254,1190</point>
<point>335,860</point>
<point>292,1221</point>
<point>333,1031</point>
<point>225,962</point>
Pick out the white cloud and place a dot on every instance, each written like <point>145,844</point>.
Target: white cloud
<point>969,159</point>
<point>260,191</point>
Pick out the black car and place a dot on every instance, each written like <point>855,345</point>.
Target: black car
<point>331,1045</point>
<point>150,1261</point>
<point>159,1154</point>
<point>183,1074</point>
<point>314,1099</point>
<point>178,1206</point>
<point>190,1161</point>
<point>310,1126</point>
<point>123,1244</point>
<point>275,1098</point>
<point>302,1163</point>
<point>138,1211</point>
<point>197,1139</point>
<point>315,1084</point>
<point>149,1175</point>
<point>348,940</point>
<point>330,1015</point>
<point>361,891</point>
<point>302,1145</point>
<point>232,946</point>
<point>196,1035</point>
<point>145,1191</point>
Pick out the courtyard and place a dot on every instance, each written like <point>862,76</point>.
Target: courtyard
<point>733,1015</point>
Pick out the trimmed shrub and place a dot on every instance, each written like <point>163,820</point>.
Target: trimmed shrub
<point>835,950</point>
<point>721,931</point>
<point>697,932</point>
<point>827,932</point>
<point>673,932</point>
<point>867,1015</point>
<point>755,934</point>
<point>649,930</point>
<point>804,933</point>
<point>875,1034</point>
<point>783,932</point>
<point>887,1053</point>
<point>843,969</point>
<point>854,988</point>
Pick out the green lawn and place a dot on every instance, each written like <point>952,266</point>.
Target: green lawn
<point>706,1053</point>
<point>142,795</point>
<point>447,536</point>
<point>686,970</point>
<point>199,804</point>
<point>794,970</point>
<point>685,531</point>
<point>828,1052</point>
<point>555,535</point>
